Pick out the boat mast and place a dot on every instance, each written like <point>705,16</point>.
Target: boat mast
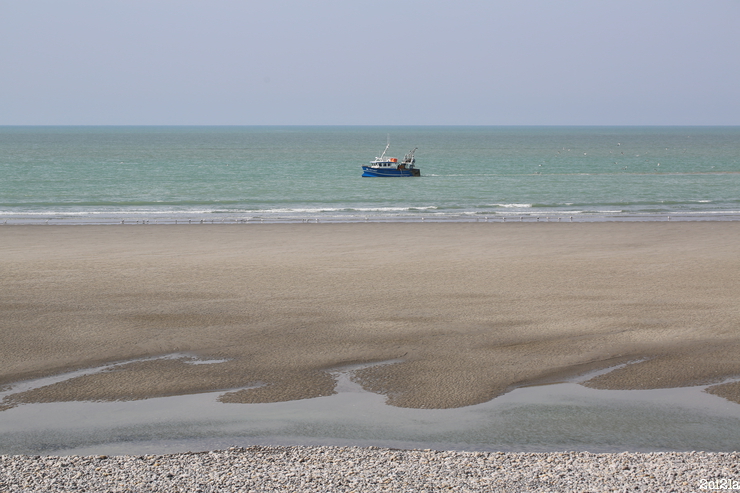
<point>409,158</point>
<point>388,144</point>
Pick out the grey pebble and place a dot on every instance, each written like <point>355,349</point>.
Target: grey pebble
<point>345,469</point>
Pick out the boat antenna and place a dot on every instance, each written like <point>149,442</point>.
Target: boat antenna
<point>387,145</point>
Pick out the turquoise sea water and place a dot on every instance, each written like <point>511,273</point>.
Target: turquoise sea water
<point>73,175</point>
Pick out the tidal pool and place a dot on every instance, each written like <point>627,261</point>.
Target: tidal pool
<point>556,417</point>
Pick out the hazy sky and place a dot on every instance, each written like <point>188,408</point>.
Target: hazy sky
<point>380,62</point>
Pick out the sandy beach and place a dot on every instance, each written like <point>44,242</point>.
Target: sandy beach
<point>466,311</point>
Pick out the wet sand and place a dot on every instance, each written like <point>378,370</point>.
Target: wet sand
<point>471,310</point>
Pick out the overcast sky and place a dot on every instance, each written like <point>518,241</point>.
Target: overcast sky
<point>380,62</point>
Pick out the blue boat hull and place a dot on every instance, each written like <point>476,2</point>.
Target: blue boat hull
<point>368,171</point>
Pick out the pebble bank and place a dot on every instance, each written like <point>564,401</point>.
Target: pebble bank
<point>345,469</point>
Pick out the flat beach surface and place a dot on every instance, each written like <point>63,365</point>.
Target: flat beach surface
<point>466,311</point>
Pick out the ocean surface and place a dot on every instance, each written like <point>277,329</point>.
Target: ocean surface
<point>106,175</point>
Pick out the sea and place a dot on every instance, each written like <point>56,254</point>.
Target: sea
<point>232,174</point>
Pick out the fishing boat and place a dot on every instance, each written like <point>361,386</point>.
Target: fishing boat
<point>389,166</point>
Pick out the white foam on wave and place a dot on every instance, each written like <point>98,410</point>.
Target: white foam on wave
<point>341,209</point>
<point>511,206</point>
<point>111,213</point>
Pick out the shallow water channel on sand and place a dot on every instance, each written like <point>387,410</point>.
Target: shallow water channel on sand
<point>556,417</point>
